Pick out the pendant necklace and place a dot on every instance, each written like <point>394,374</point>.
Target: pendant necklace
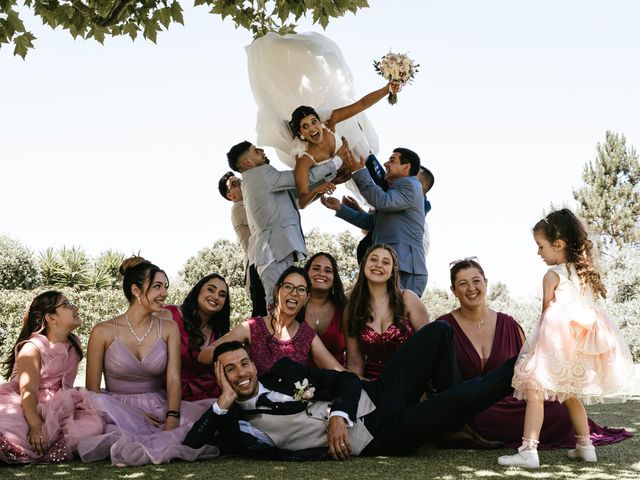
<point>138,339</point>
<point>474,321</point>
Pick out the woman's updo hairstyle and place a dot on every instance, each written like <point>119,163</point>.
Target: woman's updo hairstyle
<point>297,116</point>
<point>136,270</point>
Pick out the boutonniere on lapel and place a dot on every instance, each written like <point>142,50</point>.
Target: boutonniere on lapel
<point>303,391</point>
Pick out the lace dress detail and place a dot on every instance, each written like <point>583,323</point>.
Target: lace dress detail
<point>266,350</point>
<point>575,350</point>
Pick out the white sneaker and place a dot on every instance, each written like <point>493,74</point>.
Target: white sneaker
<point>583,452</point>
<point>525,458</point>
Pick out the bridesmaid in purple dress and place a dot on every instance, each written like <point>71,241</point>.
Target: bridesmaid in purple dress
<point>42,417</point>
<point>202,318</point>
<point>283,333</point>
<point>139,354</point>
<point>380,316</point>
<point>326,303</point>
<point>484,340</point>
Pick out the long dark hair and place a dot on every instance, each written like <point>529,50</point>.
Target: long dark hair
<point>219,323</point>
<point>33,322</point>
<point>337,294</point>
<point>564,225</point>
<point>136,270</point>
<point>359,306</point>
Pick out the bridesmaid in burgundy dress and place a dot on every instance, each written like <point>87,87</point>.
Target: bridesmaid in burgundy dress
<point>380,316</point>
<point>202,318</point>
<point>484,340</point>
<point>326,304</point>
<point>283,333</point>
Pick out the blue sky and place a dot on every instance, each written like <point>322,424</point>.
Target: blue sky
<point>120,146</point>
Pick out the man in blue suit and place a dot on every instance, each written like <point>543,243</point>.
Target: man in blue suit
<point>398,219</point>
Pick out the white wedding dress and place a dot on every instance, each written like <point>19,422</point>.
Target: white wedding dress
<point>288,71</point>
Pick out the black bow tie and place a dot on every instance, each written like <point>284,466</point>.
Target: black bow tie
<point>285,408</point>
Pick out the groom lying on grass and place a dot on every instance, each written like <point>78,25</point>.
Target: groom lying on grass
<point>294,412</point>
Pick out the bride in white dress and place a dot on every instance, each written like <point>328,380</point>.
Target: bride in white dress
<point>287,74</point>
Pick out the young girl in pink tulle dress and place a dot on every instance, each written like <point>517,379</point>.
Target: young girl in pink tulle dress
<point>42,417</point>
<point>576,354</point>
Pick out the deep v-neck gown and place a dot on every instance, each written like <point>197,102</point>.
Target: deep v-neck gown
<point>135,387</point>
<point>504,420</point>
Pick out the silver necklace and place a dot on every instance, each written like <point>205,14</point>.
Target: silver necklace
<point>139,339</point>
<point>474,321</point>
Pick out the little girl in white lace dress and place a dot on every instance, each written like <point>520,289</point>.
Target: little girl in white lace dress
<point>576,354</point>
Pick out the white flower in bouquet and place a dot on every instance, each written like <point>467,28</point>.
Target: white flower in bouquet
<point>397,68</point>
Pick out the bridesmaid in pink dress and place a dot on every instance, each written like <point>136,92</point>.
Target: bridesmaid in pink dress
<point>42,417</point>
<point>139,354</point>
<point>326,303</point>
<point>380,316</point>
<point>202,318</point>
<point>283,333</point>
<point>484,340</point>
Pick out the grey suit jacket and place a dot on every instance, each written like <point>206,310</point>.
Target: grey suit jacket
<point>398,220</point>
<point>272,211</point>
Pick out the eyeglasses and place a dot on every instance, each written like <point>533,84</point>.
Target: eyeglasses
<point>235,183</point>
<point>66,304</point>
<point>290,287</point>
<point>460,260</point>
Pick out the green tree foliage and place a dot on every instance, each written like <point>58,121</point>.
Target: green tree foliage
<point>224,258</point>
<point>610,199</point>
<point>18,268</point>
<point>98,19</point>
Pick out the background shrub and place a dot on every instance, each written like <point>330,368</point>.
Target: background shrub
<point>18,267</point>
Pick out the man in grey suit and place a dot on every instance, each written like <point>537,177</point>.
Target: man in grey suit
<point>276,240</point>
<point>398,220</point>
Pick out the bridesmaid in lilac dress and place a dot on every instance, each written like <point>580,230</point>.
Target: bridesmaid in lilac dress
<point>42,417</point>
<point>484,340</point>
<point>139,353</point>
<point>380,316</point>
<point>283,333</point>
<point>326,303</point>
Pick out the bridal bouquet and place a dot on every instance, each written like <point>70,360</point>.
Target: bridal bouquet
<point>397,68</point>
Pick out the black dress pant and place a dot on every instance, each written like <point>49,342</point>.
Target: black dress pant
<point>401,423</point>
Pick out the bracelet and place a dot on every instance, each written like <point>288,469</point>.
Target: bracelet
<point>173,413</point>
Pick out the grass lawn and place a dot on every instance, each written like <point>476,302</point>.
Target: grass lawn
<point>619,461</point>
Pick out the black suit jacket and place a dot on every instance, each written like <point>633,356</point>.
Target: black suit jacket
<point>342,389</point>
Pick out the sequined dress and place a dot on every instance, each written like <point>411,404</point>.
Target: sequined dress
<point>134,388</point>
<point>378,348</point>
<point>66,412</point>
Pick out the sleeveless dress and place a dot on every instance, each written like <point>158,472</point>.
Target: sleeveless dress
<point>66,412</point>
<point>378,348</point>
<point>333,337</point>
<point>287,71</point>
<point>504,420</point>
<point>136,387</point>
<point>267,350</point>
<point>575,350</point>
<point>198,380</point>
